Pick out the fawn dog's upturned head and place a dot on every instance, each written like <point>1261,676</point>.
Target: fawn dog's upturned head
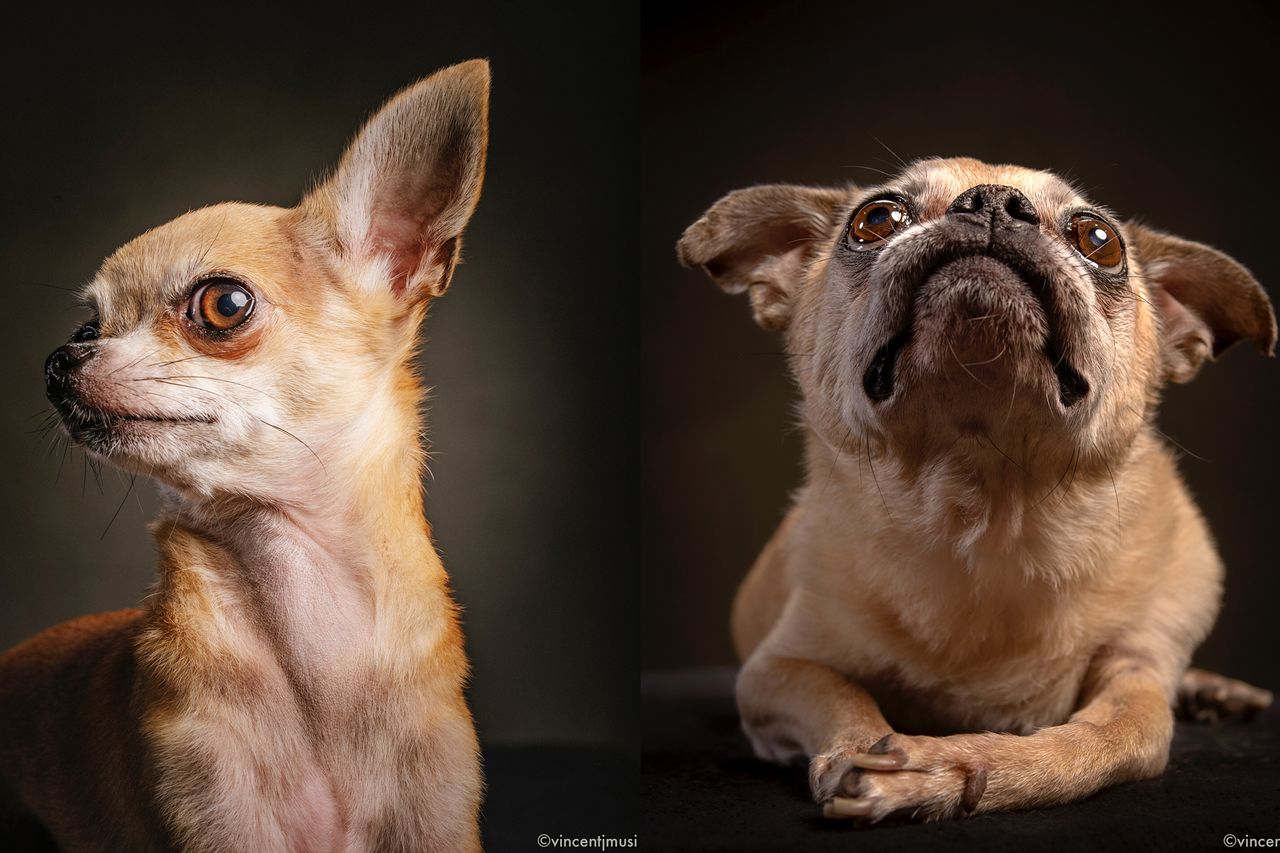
<point>229,346</point>
<point>964,298</point>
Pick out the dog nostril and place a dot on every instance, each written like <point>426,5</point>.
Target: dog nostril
<point>1018,206</point>
<point>1002,205</point>
<point>63,360</point>
<point>967,202</point>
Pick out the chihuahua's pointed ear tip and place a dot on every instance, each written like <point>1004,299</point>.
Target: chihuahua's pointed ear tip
<point>474,74</point>
<point>478,66</point>
<point>463,83</point>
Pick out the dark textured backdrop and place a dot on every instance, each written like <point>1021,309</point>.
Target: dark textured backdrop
<point>117,124</point>
<point>1158,113</point>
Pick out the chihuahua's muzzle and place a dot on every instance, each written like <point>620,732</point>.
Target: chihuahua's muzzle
<point>980,285</point>
<point>63,385</point>
<point>60,371</point>
<point>91,422</point>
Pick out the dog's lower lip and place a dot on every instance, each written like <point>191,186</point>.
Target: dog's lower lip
<point>98,418</point>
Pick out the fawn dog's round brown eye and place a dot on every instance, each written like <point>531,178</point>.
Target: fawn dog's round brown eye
<point>1097,241</point>
<point>219,304</point>
<point>877,220</point>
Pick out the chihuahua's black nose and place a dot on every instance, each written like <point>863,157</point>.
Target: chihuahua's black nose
<point>59,366</point>
<point>1004,206</point>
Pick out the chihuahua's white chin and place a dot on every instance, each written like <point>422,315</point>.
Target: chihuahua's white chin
<point>151,445</point>
<point>111,434</point>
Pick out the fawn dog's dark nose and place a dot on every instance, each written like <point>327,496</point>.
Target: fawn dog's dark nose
<point>1005,207</point>
<point>59,367</point>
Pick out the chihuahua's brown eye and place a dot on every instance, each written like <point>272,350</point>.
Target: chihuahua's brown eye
<point>876,221</point>
<point>1097,241</point>
<point>220,304</point>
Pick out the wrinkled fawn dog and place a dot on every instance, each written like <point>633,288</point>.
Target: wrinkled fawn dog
<point>988,590</point>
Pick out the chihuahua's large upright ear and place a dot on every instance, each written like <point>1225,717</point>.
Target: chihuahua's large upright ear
<point>405,188</point>
<point>1207,301</point>
<point>759,240</point>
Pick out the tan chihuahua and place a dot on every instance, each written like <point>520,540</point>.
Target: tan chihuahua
<point>294,682</point>
<point>988,590</point>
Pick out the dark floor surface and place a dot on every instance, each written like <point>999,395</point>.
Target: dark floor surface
<point>701,789</point>
<point>562,791</point>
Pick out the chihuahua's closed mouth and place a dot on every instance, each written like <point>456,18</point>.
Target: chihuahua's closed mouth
<point>987,593</point>
<point>295,679</point>
<point>96,428</point>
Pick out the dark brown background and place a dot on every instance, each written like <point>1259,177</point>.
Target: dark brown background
<point>1160,114</point>
<point>117,123</point>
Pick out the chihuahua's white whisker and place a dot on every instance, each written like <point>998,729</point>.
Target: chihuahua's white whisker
<point>119,506</point>
<point>209,378</point>
<point>66,445</point>
<point>134,362</point>
<point>222,379</point>
<point>178,360</point>
<point>247,411</point>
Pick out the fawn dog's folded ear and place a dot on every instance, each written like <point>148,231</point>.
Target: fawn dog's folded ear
<point>759,240</point>
<point>396,205</point>
<point>1206,300</point>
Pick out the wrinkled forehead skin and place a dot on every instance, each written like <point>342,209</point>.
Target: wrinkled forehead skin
<point>934,184</point>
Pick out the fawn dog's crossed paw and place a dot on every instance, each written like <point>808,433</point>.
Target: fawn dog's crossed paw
<point>922,778</point>
<point>1209,697</point>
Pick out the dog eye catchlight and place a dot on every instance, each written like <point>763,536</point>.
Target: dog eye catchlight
<point>1097,241</point>
<point>876,221</point>
<point>220,304</point>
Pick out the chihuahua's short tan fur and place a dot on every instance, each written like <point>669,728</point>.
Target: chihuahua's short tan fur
<point>295,680</point>
<point>988,590</point>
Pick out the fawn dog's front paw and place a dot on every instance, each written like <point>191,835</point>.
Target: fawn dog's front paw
<point>922,778</point>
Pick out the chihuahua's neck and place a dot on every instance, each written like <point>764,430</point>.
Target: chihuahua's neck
<point>331,595</point>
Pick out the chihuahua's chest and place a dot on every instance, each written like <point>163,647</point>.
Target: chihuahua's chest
<point>262,773</point>
<point>264,754</point>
